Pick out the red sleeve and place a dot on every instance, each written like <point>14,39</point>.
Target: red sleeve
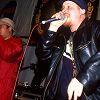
<point>11,49</point>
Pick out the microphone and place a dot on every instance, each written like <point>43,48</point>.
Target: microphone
<point>52,19</point>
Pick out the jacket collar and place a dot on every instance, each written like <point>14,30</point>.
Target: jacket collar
<point>83,24</point>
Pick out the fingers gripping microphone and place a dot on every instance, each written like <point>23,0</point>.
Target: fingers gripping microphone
<point>52,19</point>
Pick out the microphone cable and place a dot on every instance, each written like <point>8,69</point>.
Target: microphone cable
<point>13,92</point>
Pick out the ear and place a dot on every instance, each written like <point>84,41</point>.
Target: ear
<point>10,28</point>
<point>83,11</point>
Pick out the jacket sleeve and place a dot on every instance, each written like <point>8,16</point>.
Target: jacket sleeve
<point>10,50</point>
<point>45,44</point>
<point>90,74</point>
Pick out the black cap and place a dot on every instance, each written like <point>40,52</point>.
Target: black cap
<point>81,3</point>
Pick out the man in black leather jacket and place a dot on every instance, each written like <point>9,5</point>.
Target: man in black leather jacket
<point>85,40</point>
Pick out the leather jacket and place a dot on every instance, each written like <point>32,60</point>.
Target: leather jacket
<point>87,56</point>
<point>86,49</point>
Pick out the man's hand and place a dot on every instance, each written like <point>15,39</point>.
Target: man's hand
<point>56,24</point>
<point>76,88</point>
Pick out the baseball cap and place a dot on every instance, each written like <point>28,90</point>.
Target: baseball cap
<point>81,3</point>
<point>7,21</point>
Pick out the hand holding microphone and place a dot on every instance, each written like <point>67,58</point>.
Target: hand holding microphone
<point>56,21</point>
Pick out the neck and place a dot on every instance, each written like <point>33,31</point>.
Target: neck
<point>75,26</point>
